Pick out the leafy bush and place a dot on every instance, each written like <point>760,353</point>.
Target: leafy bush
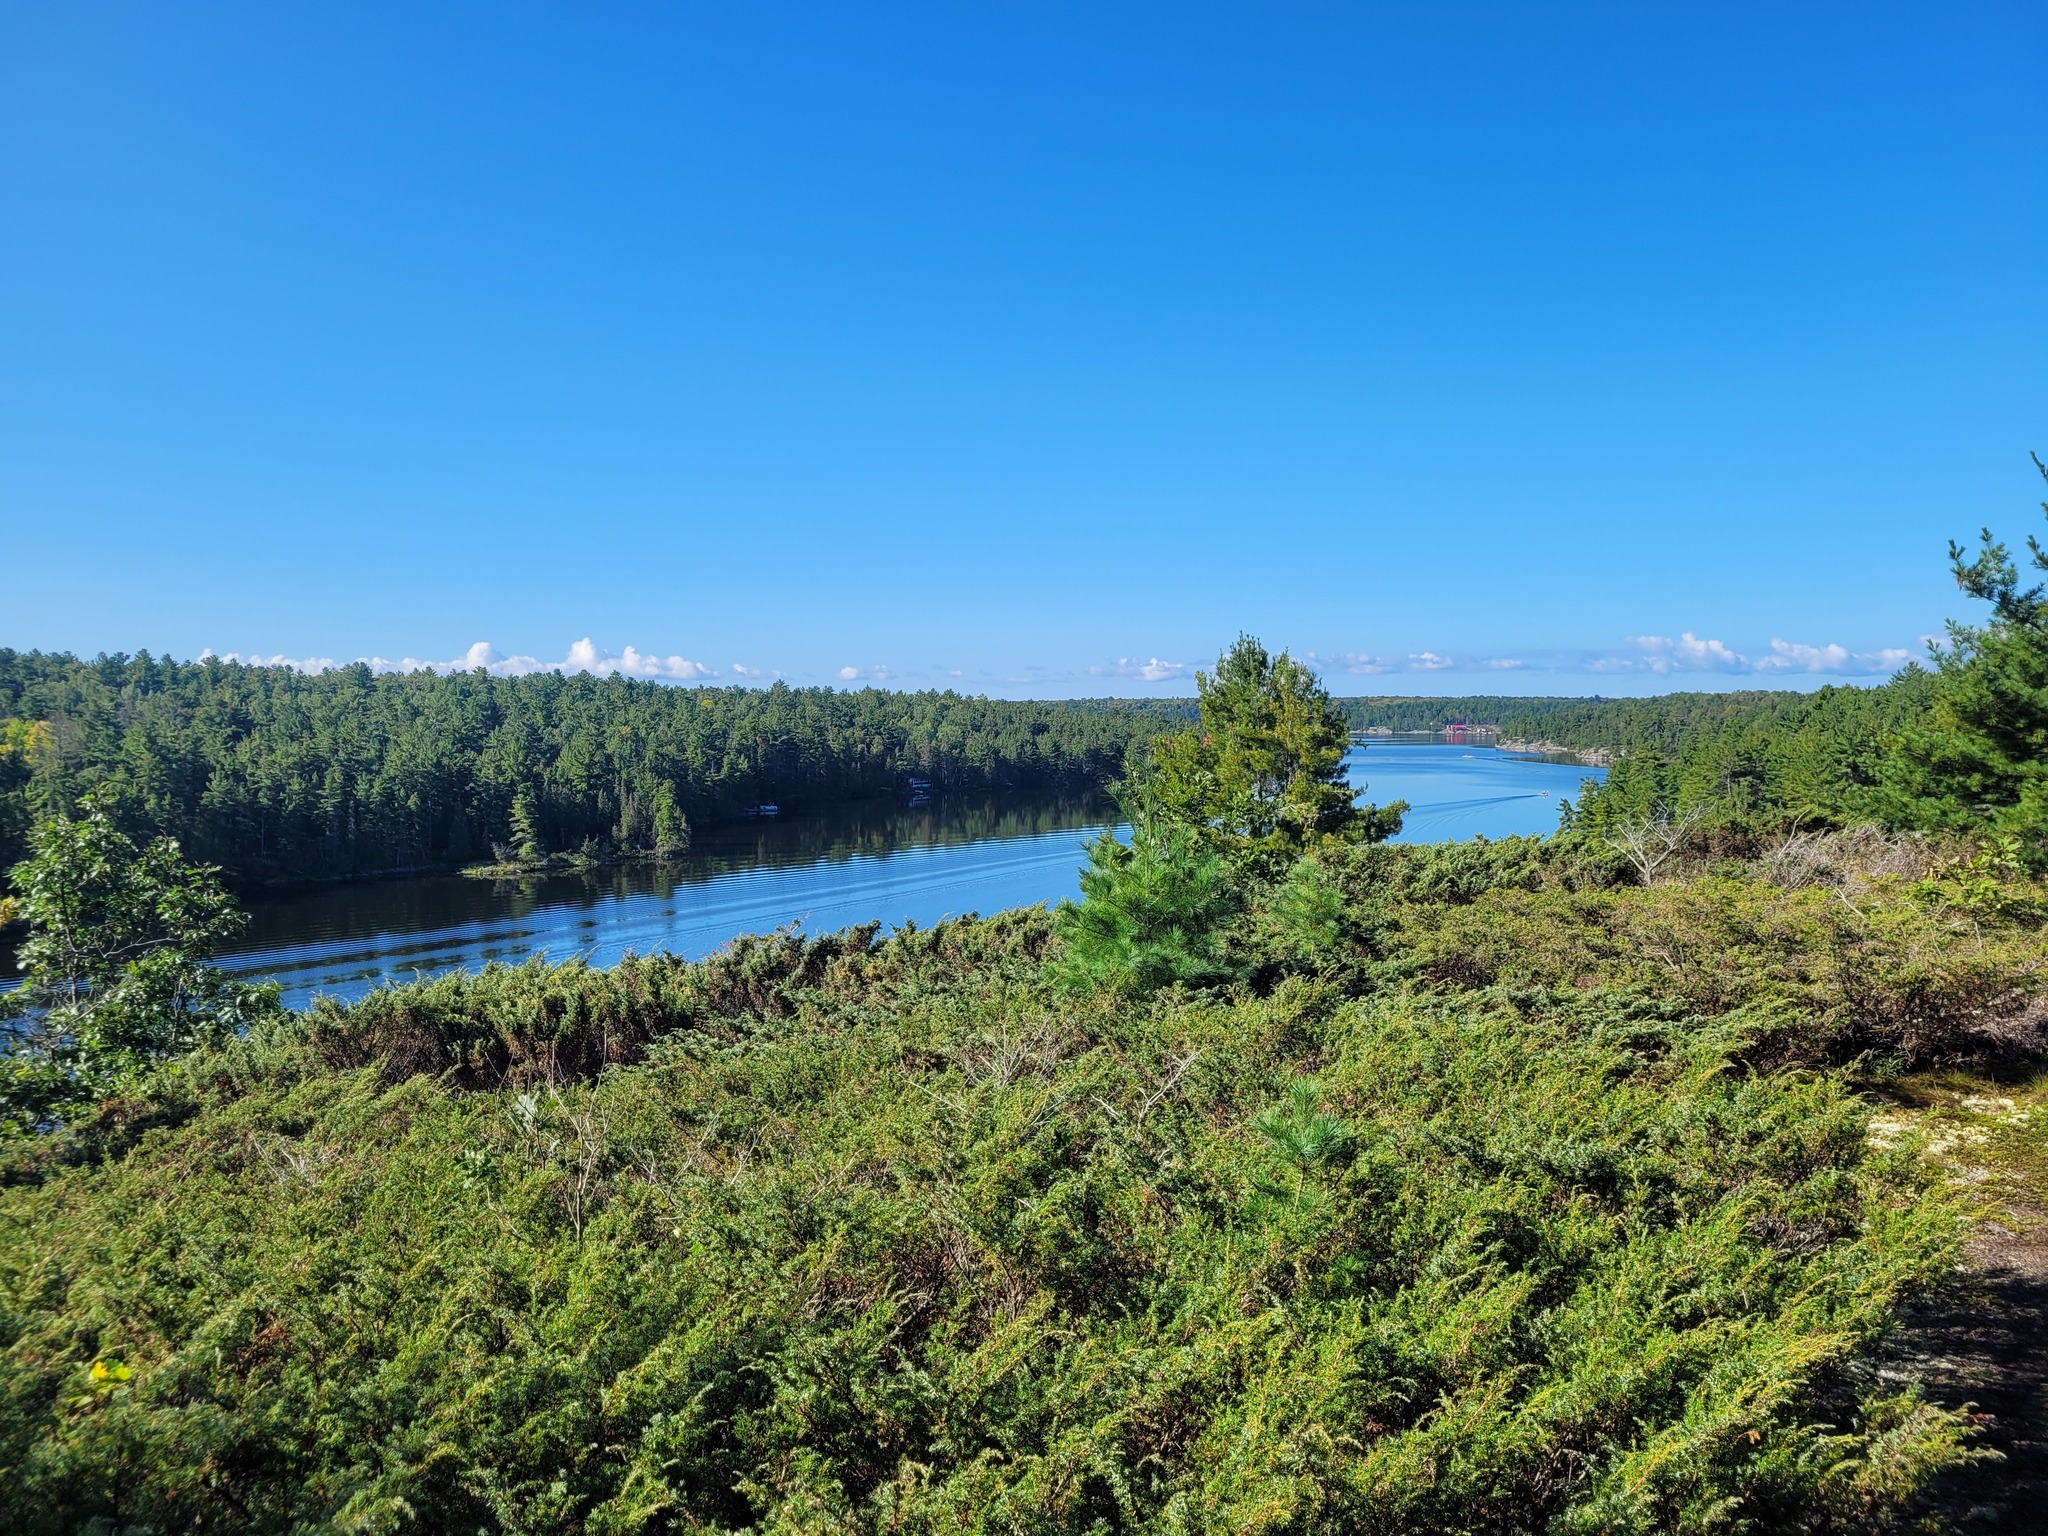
<point>114,972</point>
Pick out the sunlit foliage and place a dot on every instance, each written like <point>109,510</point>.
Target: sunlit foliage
<point>113,967</point>
<point>872,1236</point>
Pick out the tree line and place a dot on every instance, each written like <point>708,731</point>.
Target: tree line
<point>1756,760</point>
<point>271,773</point>
<point>1404,713</point>
<point>274,774</point>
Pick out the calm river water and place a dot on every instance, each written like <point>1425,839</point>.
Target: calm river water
<point>886,862</point>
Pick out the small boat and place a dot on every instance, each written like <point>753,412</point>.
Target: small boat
<point>766,808</point>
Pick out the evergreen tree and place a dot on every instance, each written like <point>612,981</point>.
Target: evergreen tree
<point>1304,1135</point>
<point>1263,771</point>
<point>527,843</point>
<point>1979,763</point>
<point>1152,914</point>
<point>671,827</point>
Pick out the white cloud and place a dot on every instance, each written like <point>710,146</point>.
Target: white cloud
<point>1659,655</point>
<point>1787,656</point>
<point>253,659</point>
<point>583,656</point>
<point>1368,664</point>
<point>1710,654</point>
<point>678,667</point>
<point>1152,671</point>
<point>1352,661</point>
<point>587,657</point>
<point>1688,653</point>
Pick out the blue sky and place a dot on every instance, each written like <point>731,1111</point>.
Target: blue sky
<point>1025,349</point>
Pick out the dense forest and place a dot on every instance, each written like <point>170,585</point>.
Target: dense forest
<point>1661,722</point>
<point>1749,762</point>
<point>1673,722</point>
<point>273,774</point>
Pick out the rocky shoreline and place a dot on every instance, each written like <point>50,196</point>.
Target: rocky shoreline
<point>1585,757</point>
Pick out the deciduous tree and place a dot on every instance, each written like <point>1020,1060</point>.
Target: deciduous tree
<point>114,972</point>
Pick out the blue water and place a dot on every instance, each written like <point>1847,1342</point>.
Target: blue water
<point>876,863</point>
<point>1457,792</point>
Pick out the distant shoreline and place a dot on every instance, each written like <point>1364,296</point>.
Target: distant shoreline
<point>1489,736</point>
<point>1585,757</point>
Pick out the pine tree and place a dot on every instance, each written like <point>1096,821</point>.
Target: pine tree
<point>1264,770</point>
<point>1152,914</point>
<point>526,838</point>
<point>1980,762</point>
<point>671,827</point>
<point>1303,1134</point>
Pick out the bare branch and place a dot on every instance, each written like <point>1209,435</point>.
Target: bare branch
<point>1649,842</point>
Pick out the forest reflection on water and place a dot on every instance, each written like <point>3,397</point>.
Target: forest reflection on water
<point>878,861</point>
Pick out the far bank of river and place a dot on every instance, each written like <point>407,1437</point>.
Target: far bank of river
<point>865,863</point>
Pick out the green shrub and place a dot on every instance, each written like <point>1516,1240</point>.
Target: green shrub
<point>1874,971</point>
<point>871,1236</point>
<point>1152,914</point>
